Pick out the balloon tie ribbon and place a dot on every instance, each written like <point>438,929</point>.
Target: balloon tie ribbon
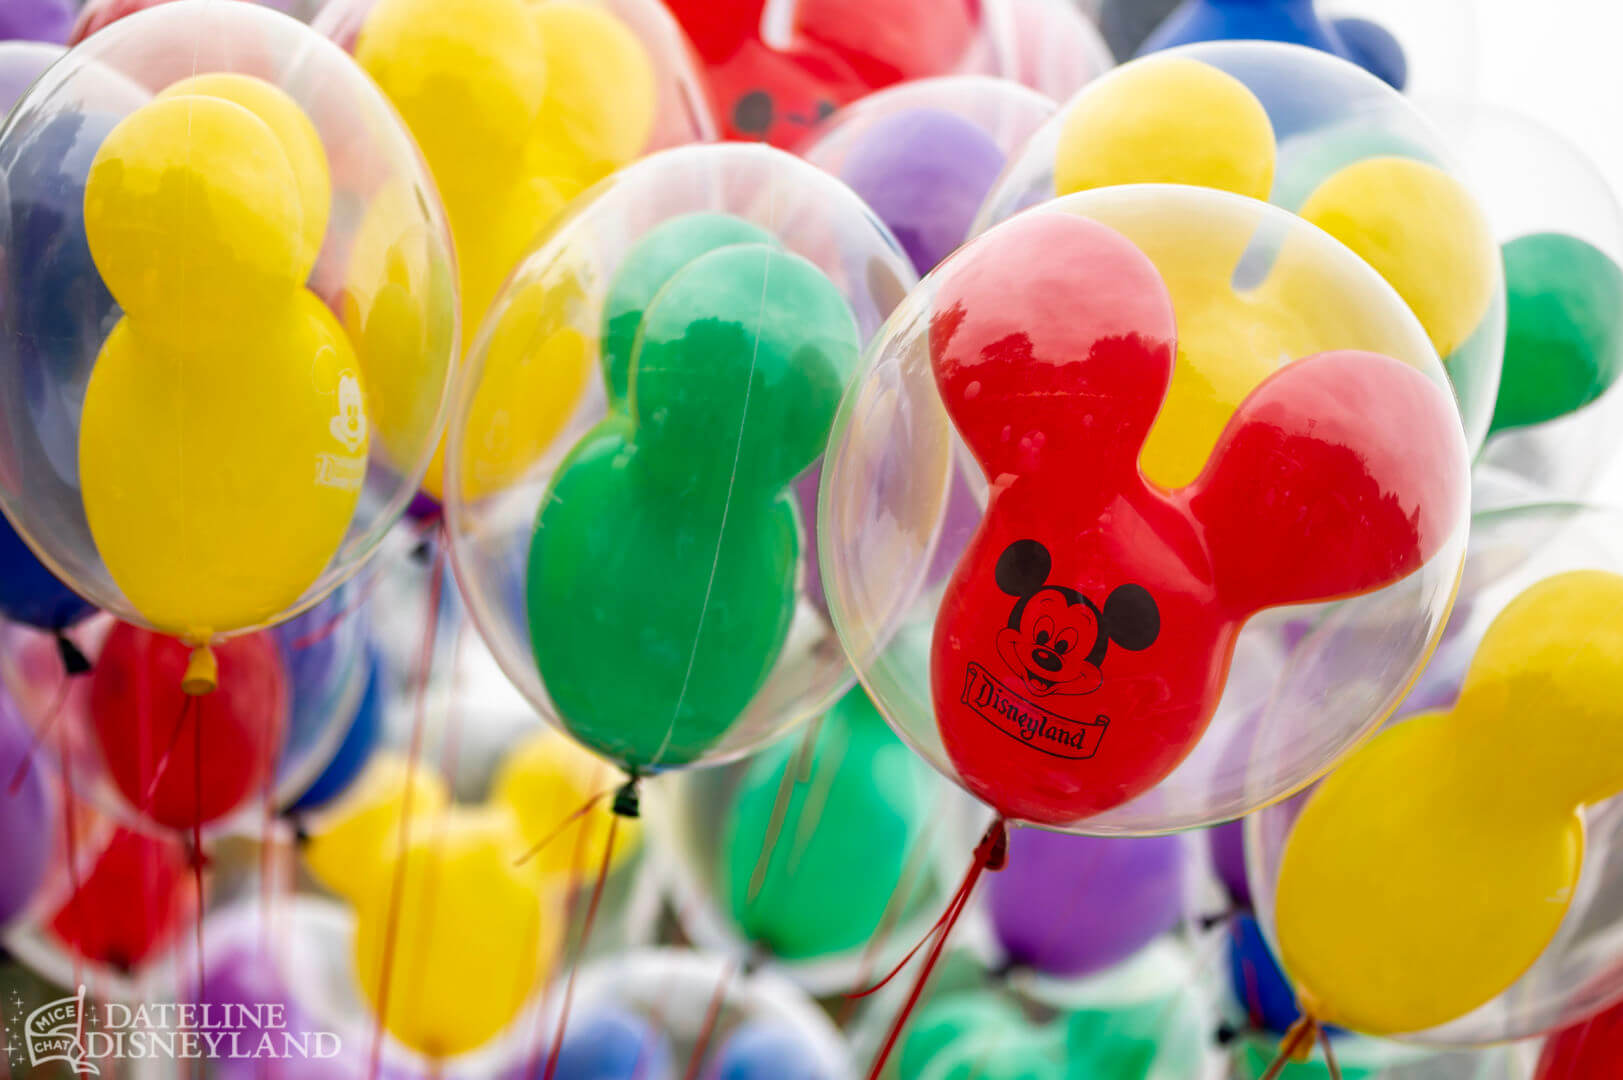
<point>580,947</point>
<point>628,800</point>
<point>563,826</point>
<point>708,1028</point>
<point>1297,1046</point>
<point>992,853</point>
<point>46,727</point>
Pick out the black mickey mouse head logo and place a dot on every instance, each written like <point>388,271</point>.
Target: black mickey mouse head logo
<point>1056,638</point>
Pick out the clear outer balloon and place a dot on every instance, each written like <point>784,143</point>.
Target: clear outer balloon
<point>776,70</point>
<point>326,653</point>
<point>28,814</point>
<point>855,797</point>
<point>1555,427</point>
<point>895,451</point>
<point>672,990</point>
<point>1070,906</point>
<point>660,631</point>
<point>98,14</point>
<point>143,472</point>
<point>924,154</point>
<point>1315,135</point>
<point>1580,970</point>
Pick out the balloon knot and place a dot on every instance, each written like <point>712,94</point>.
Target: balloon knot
<point>202,672</point>
<point>74,661</point>
<point>992,853</point>
<point>628,800</point>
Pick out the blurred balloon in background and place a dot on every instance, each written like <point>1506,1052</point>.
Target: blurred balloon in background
<point>28,809</point>
<point>614,1044</point>
<point>131,904</point>
<point>36,20</point>
<point>355,749</point>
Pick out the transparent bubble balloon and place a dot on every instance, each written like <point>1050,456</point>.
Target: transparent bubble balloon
<point>1053,658</point>
<point>1044,44</point>
<point>924,154</point>
<point>636,552</point>
<point>197,497</point>
<point>1315,135</point>
<point>1577,971</point>
<point>1560,228</point>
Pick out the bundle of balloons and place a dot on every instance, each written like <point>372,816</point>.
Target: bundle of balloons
<point>637,539</point>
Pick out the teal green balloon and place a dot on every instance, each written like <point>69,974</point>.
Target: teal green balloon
<point>1564,329</point>
<point>1021,1053</point>
<point>1256,1058</point>
<point>741,363</point>
<point>947,1019</point>
<point>654,616</point>
<point>648,265</point>
<point>850,825</point>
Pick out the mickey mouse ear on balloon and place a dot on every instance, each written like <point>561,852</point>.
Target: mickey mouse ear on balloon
<point>207,436</point>
<point>641,574</point>
<point>1077,640</point>
<point>1315,135</point>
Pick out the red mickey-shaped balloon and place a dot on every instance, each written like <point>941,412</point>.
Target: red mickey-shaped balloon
<point>776,67</point>
<point>1084,639</point>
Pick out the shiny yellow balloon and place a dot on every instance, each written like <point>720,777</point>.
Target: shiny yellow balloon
<point>297,135</point>
<point>1166,120</point>
<point>472,936</point>
<point>351,844</point>
<point>194,219</point>
<point>1430,871</point>
<point>219,484</point>
<point>1423,231</point>
<point>600,88</point>
<point>545,781</point>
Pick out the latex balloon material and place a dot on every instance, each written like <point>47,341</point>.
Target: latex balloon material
<point>351,843</point>
<point>1256,981</point>
<point>614,1044</point>
<point>29,593</point>
<point>354,751</point>
<point>951,1019</point>
<point>1295,22</point>
<point>787,871</point>
<point>1010,1054</point>
<point>1586,1051</point>
<point>193,469</point>
<point>135,899</point>
<point>1090,596</point>
<point>28,809</point>
<point>1158,1037</point>
<point>36,20</point>
<point>924,172</point>
<point>184,760</point>
<point>1457,804</point>
<point>1068,906</point>
<point>472,934</point>
<point>545,781</point>
<point>761,1050</point>
<point>739,364</point>
<point>517,107</point>
<point>1564,329</point>
<point>830,53</point>
<point>1227,844</point>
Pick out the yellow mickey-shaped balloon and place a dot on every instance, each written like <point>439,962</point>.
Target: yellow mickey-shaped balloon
<point>1430,870</point>
<point>224,438</point>
<point>468,934</point>
<point>350,845</point>
<point>546,780</point>
<point>600,88</point>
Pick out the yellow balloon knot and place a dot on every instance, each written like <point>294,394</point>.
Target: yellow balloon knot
<point>202,672</point>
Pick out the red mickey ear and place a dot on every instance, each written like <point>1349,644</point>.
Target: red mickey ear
<point>1052,348</point>
<point>887,41</point>
<point>718,27</point>
<point>1340,474</point>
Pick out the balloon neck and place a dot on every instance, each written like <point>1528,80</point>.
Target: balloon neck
<point>74,661</point>
<point>202,672</point>
<point>628,800</point>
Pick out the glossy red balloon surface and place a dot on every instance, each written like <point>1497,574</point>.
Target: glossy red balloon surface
<point>1085,636</point>
<point>776,67</point>
<point>1592,1050</point>
<point>150,731</point>
<point>135,897</point>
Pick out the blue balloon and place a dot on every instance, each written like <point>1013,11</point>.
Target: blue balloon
<point>765,1051</point>
<point>1259,985</point>
<point>29,593</point>
<point>1294,22</point>
<point>612,1044</point>
<point>356,749</point>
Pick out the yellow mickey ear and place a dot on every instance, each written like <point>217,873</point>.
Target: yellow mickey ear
<point>350,843</point>
<point>1422,230</point>
<point>1166,120</point>
<point>600,89</point>
<point>298,137</point>
<point>193,215</point>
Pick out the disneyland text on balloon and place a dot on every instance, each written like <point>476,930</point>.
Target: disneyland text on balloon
<point>1042,730</point>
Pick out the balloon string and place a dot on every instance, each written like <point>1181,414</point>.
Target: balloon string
<point>577,865</point>
<point>1300,1036</point>
<point>70,841</point>
<point>708,1029</point>
<point>197,848</point>
<point>992,853</point>
<point>900,897</point>
<point>1329,1054</point>
<point>187,701</point>
<point>37,738</point>
<point>580,949</point>
<point>363,593</point>
<point>425,662</point>
<point>586,808</point>
<point>791,778</point>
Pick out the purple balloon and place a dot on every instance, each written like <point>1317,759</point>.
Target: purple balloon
<point>1071,905</point>
<point>36,20</point>
<point>27,819</point>
<point>1227,843</point>
<point>924,172</point>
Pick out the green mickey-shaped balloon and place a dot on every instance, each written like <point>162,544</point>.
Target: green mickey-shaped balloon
<point>852,825</point>
<point>661,579</point>
<point>1564,329</point>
